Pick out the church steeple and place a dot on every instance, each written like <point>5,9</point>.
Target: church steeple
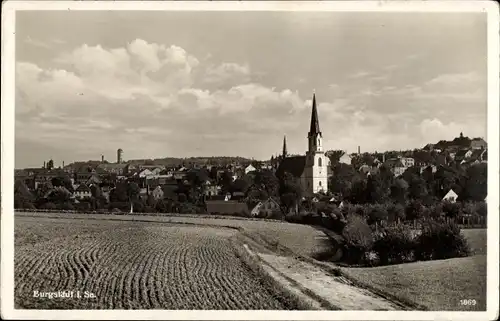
<point>314,136</point>
<point>285,152</point>
<point>314,129</point>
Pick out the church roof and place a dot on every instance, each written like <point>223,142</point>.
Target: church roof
<point>314,118</point>
<point>294,165</point>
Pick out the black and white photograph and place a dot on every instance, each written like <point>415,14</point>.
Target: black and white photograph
<point>250,160</point>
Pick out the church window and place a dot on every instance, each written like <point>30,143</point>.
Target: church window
<point>320,183</point>
<point>320,162</point>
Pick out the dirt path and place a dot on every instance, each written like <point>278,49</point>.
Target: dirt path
<point>318,287</point>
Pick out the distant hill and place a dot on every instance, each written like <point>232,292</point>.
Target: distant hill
<point>174,161</point>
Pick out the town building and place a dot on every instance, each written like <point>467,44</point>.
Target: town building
<point>311,169</point>
<point>451,196</point>
<point>478,143</point>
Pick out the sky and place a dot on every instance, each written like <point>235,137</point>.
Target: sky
<point>181,84</point>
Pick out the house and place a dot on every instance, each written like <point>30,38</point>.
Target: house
<point>118,169</point>
<point>478,155</point>
<point>62,189</point>
<point>158,193</point>
<point>227,207</point>
<point>158,179</point>
<point>484,157</point>
<point>451,196</point>
<point>255,208</point>
<point>237,195</point>
<point>462,154</point>
<point>94,179</point>
<point>478,143</point>
<point>143,173</point>
<point>408,161</point>
<point>249,168</point>
<point>428,147</point>
<point>265,208</point>
<point>433,168</point>
<point>210,189</point>
<point>396,166</point>
<point>82,191</point>
<point>366,169</point>
<point>345,159</point>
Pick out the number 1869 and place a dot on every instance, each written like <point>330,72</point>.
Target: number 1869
<point>467,302</point>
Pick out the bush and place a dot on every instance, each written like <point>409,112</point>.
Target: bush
<point>482,209</point>
<point>115,210</point>
<point>65,206</point>
<point>358,239</point>
<point>335,221</point>
<point>414,210</point>
<point>395,245</point>
<point>436,212</point>
<point>440,240</point>
<point>451,210</point>
<point>377,213</point>
<point>396,212</point>
<point>49,206</point>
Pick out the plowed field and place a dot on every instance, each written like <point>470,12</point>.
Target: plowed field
<point>133,265</point>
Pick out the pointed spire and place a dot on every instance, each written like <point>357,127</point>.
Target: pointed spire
<point>285,152</point>
<point>314,118</point>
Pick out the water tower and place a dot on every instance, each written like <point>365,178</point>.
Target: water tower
<point>119,156</point>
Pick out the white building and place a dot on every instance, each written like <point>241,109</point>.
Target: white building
<point>451,196</point>
<point>249,169</point>
<point>345,159</point>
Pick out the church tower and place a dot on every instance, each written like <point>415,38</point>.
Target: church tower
<point>285,152</point>
<point>315,175</point>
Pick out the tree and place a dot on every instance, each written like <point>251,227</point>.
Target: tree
<point>417,188</point>
<point>399,190</point>
<point>290,192</point>
<point>334,156</point>
<point>266,180</point>
<point>182,198</point>
<point>475,186</point>
<point>22,196</point>
<point>119,194</point>
<point>239,185</point>
<point>375,191</point>
<point>197,177</point>
<point>213,173</point>
<point>63,181</point>
<point>226,180</point>
<point>358,191</point>
<point>133,191</point>
<point>414,210</point>
<point>341,180</point>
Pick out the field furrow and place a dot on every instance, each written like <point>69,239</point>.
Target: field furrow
<point>134,265</point>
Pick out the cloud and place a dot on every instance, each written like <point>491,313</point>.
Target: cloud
<point>157,100</point>
<point>149,96</point>
<point>226,72</point>
<point>359,74</point>
<point>36,43</point>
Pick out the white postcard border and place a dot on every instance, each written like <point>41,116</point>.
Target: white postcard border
<point>7,157</point>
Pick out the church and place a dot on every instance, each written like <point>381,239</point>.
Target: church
<point>312,169</point>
